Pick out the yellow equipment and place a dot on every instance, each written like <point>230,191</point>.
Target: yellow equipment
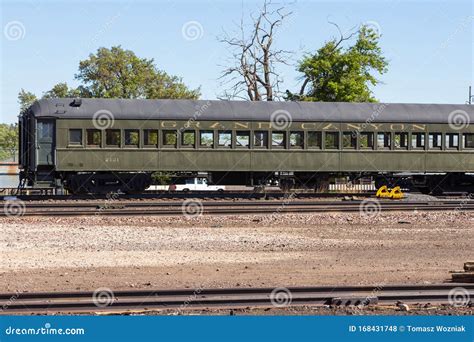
<point>385,192</point>
<point>396,193</point>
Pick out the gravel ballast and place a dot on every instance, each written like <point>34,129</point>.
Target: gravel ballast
<point>84,253</point>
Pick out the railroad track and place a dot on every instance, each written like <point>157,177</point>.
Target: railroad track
<point>197,207</point>
<point>139,300</point>
<point>244,194</point>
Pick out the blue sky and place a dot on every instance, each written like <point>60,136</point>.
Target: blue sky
<point>428,43</point>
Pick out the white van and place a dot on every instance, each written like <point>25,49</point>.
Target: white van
<point>195,184</point>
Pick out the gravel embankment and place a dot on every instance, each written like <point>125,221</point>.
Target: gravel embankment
<point>246,250</point>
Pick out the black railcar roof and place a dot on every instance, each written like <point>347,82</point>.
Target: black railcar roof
<point>141,109</point>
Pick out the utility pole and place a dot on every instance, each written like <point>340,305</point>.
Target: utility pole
<point>470,96</point>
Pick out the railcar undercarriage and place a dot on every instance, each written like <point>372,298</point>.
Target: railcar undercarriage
<point>137,182</point>
<point>106,182</point>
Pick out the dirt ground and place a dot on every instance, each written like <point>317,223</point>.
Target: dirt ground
<point>86,253</point>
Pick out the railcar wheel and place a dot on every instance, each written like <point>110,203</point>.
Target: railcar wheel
<point>80,184</point>
<point>379,182</point>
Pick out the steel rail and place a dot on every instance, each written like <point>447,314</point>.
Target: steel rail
<point>50,302</point>
<point>238,208</point>
<point>244,194</point>
<point>289,202</point>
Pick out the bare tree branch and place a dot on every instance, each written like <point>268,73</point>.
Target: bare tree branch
<point>342,38</point>
<point>254,59</point>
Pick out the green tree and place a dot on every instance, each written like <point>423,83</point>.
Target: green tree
<point>164,86</point>
<point>62,90</point>
<point>119,73</point>
<point>25,99</point>
<point>8,141</point>
<point>338,74</point>
<point>161,178</point>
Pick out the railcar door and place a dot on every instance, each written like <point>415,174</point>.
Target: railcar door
<point>45,142</point>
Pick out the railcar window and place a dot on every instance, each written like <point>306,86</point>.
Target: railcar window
<point>296,139</point>
<point>452,140</point>
<point>169,138</point>
<point>94,137</point>
<point>315,139</point>
<point>331,140</point>
<point>384,140</point>
<point>401,140</point>
<point>366,140</point>
<point>188,138</point>
<point>349,140</point>
<point>45,130</point>
<point>260,139</point>
<point>75,137</point>
<point>206,138</point>
<point>468,140</point>
<point>278,139</point>
<point>132,137</point>
<point>418,140</point>
<point>225,138</point>
<point>112,137</point>
<point>435,141</point>
<point>242,139</point>
<point>150,137</point>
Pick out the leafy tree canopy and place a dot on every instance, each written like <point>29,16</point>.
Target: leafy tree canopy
<point>25,99</point>
<point>8,141</point>
<point>335,73</point>
<point>62,90</point>
<point>117,73</point>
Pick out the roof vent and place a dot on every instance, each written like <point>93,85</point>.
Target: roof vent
<point>76,103</point>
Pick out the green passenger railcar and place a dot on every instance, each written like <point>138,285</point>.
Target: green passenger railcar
<point>96,145</point>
